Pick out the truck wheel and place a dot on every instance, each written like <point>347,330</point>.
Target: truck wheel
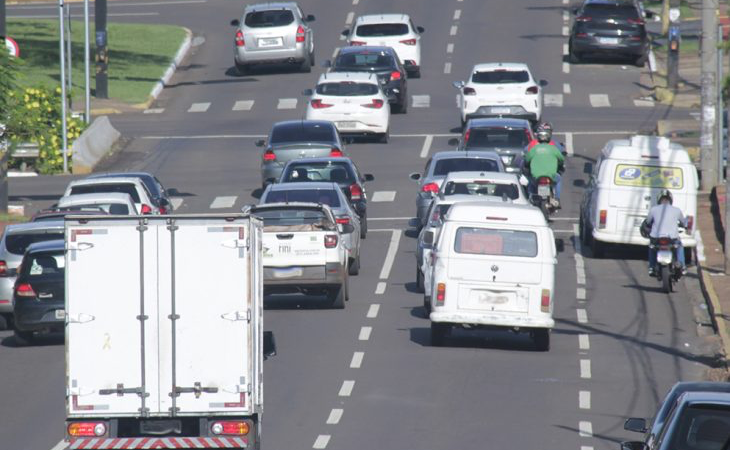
<point>439,331</point>
<point>336,295</point>
<point>541,337</point>
<point>23,337</point>
<point>354,266</point>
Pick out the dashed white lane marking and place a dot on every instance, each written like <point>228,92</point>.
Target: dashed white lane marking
<point>383,196</point>
<point>199,107</point>
<point>569,144</point>
<point>700,248</point>
<point>643,103</point>
<point>380,288</point>
<point>580,294</point>
<point>176,202</point>
<point>566,16</point>
<point>565,49</point>
<point>420,101</point>
<point>243,105</point>
<point>426,146</point>
<point>450,48</point>
<point>566,88</point>
<point>585,368</point>
<point>586,447</point>
<point>565,2</point>
<point>349,18</point>
<point>447,67</point>
<point>390,256</point>
<point>346,389</point>
<point>457,14</point>
<point>364,333</point>
<point>585,429</point>
<point>580,275</point>
<point>342,37</point>
<point>334,53</point>
<point>584,399</point>
<point>453,30</point>
<point>322,441</point>
<point>356,362</point>
<point>553,100</point>
<point>355,2</point>
<point>584,342</point>
<point>223,202</point>
<point>599,100</point>
<point>335,416</point>
<point>287,103</point>
<point>373,311</point>
<point>566,67</point>
<point>582,315</point>
<point>154,111</point>
<point>565,31</point>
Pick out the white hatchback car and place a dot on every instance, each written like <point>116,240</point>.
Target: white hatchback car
<point>500,90</point>
<point>354,101</point>
<point>107,202</point>
<point>390,30</point>
<point>485,184</point>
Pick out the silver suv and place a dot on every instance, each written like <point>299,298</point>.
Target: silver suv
<point>273,33</point>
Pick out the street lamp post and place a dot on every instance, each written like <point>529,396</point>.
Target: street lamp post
<point>87,56</point>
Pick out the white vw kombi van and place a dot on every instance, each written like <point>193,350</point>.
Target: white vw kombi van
<point>624,185</point>
<point>493,265</point>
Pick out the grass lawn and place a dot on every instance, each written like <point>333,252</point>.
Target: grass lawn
<point>138,55</point>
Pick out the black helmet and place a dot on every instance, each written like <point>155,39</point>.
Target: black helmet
<point>664,193</point>
<point>544,135</point>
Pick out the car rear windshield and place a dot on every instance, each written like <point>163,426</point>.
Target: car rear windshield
<point>125,188</point>
<point>336,172</point>
<point>119,209</point>
<point>497,137</point>
<point>302,133</point>
<point>382,29</point>
<point>291,217</point>
<point>446,166</point>
<point>482,188</point>
<point>17,243</point>
<point>485,241</point>
<point>266,19</point>
<point>347,89</point>
<point>44,265</point>
<point>365,61</point>
<point>501,77</point>
<point>323,196</point>
<point>701,427</point>
<point>599,11</point>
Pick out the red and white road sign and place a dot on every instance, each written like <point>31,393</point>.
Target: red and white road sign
<point>12,47</point>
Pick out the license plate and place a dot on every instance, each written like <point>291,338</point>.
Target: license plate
<point>347,124</point>
<point>289,272</point>
<point>493,299</point>
<point>543,190</point>
<point>501,110</point>
<point>270,42</point>
<point>60,314</point>
<point>608,40</point>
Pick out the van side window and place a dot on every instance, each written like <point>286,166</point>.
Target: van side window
<point>485,241</point>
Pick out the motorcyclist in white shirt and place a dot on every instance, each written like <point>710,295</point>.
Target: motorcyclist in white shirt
<point>664,220</point>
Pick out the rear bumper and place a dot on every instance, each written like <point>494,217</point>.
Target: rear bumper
<point>32,315</point>
<point>591,45</point>
<point>159,442</point>
<point>273,56</point>
<point>306,276</point>
<point>363,125</point>
<point>629,238</point>
<point>492,319</point>
<point>516,112</point>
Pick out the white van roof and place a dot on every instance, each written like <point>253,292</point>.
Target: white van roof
<point>493,212</point>
<point>642,148</point>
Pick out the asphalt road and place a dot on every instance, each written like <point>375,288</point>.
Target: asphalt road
<point>366,377</point>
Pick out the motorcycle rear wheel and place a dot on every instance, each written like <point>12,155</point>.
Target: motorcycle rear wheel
<point>667,281</point>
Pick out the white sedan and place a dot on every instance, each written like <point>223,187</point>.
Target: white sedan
<point>500,90</point>
<point>354,101</point>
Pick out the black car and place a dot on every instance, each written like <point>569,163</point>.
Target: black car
<point>381,60</point>
<point>340,170</point>
<point>508,137</point>
<point>610,28</point>
<point>153,185</point>
<point>39,294</point>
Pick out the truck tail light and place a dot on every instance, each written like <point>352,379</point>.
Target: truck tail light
<point>239,39</point>
<point>355,192</point>
<point>602,214</point>
<point>430,187</point>
<point>232,427</point>
<point>146,209</point>
<point>300,34</point>
<point>532,90</point>
<point>269,155</point>
<point>86,429</point>
<point>330,241</point>
<point>24,290</point>
<point>3,269</point>
<point>545,300</point>
<point>690,225</point>
<point>440,293</point>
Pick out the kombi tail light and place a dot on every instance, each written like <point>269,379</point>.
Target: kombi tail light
<point>532,90</point>
<point>330,241</point>
<point>395,75</point>
<point>24,290</point>
<point>375,104</point>
<point>317,104</point>
<point>602,215</point>
<point>230,427</point>
<point>355,192</point>
<point>409,42</point>
<point>440,293</point>
<point>269,155</point>
<point>300,34</point>
<point>469,91</point>
<point>545,300</point>
<point>146,209</point>
<point>3,269</point>
<point>690,225</point>
<point>336,152</point>
<point>239,39</point>
<point>86,429</point>
<point>430,187</point>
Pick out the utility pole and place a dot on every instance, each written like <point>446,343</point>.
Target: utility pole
<point>87,57</point>
<point>102,57</point>
<point>62,56</point>
<point>4,145</point>
<point>69,71</point>
<point>709,150</point>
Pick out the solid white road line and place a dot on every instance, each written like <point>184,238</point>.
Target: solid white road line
<point>380,288</point>
<point>223,202</point>
<point>80,16</point>
<point>566,88</point>
<point>457,14</point>
<point>287,103</point>
<point>447,67</point>
<point>599,100</point>
<point>364,333</point>
<point>346,389</point>
<point>585,368</point>
<point>421,101</point>
<point>580,294</point>
<point>566,67</point>
<point>585,429</point>
<point>584,342</point>
<point>640,103</point>
<point>553,100</point>
<point>390,218</point>
<point>356,362</point>
<point>584,399</point>
<point>154,111</point>
<point>390,256</point>
<point>373,311</point>
<point>11,7</point>
<point>349,18</point>
<point>426,146</point>
<point>199,107</point>
<point>243,105</point>
<point>383,196</point>
<point>582,315</point>
<point>569,144</point>
<point>322,441</point>
<point>176,202</point>
<point>335,416</point>
<point>453,30</point>
<point>449,48</point>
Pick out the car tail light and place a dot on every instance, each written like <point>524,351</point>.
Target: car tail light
<point>239,39</point>
<point>234,427</point>
<point>269,155</point>
<point>146,209</point>
<point>317,104</point>
<point>690,225</point>
<point>375,104</point>
<point>300,34</point>
<point>357,43</point>
<point>545,300</point>
<point>602,214</point>
<point>532,90</point>
<point>466,136</point>
<point>24,290</point>
<point>544,180</point>
<point>330,241</point>
<point>336,152</point>
<point>409,42</point>
<point>583,19</point>
<point>355,192</point>
<point>3,269</point>
<point>469,91</point>
<point>86,429</point>
<point>430,187</point>
<point>440,293</point>
<point>162,209</point>
<point>581,35</point>
<point>343,220</point>
<point>395,75</point>
<point>636,22</point>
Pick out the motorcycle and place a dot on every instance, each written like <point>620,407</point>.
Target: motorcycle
<point>668,269</point>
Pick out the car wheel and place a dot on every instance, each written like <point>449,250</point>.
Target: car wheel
<point>420,285</point>
<point>573,57</point>
<point>439,332</point>
<point>242,69</point>
<point>403,105</point>
<point>336,295</point>
<point>383,138</point>
<point>463,123</point>
<point>641,60</point>
<point>311,59</point>
<point>363,226</point>
<point>597,248</point>
<point>541,338</point>
<point>354,268</point>
<point>306,65</point>
<point>23,337</point>
<point>6,321</point>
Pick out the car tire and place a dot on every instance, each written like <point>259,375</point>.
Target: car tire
<point>383,138</point>
<point>336,296</point>
<point>573,57</point>
<point>306,65</point>
<point>311,59</point>
<point>403,105</point>
<point>420,286</point>
<point>23,337</point>
<point>541,339</point>
<point>354,266</point>
<point>598,248</point>
<point>427,305</point>
<point>463,123</point>
<point>242,69</point>
<point>439,333</point>
<point>641,60</point>
<point>363,226</point>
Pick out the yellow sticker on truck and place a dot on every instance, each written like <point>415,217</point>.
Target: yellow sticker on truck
<point>648,176</point>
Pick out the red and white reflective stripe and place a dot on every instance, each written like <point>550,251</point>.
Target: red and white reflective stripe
<point>152,443</point>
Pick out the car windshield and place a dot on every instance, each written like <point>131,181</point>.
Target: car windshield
<point>347,89</point>
<point>336,172</point>
<point>485,241</point>
<point>497,137</point>
<point>125,188</point>
<point>265,19</point>
<point>18,243</point>
<point>446,166</point>
<point>322,196</point>
<point>701,427</point>
<point>292,217</point>
<point>501,77</point>
<point>297,132</point>
<point>365,61</point>
<point>600,11</point>
<point>382,29</point>
<point>480,187</point>
<point>42,266</point>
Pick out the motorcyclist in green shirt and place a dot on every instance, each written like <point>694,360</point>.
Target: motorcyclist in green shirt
<point>545,160</point>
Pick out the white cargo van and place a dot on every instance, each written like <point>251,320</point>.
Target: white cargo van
<point>164,340</point>
<point>493,265</point>
<point>624,184</point>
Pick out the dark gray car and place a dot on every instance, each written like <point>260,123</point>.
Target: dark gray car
<point>507,137</point>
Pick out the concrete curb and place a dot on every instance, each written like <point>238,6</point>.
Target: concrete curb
<point>93,144</point>
<point>713,304</point>
<point>182,52</point>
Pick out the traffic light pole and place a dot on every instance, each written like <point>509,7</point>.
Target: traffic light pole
<point>2,21</point>
<point>102,57</point>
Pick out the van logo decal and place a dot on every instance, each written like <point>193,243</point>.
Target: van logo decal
<point>495,268</point>
<point>630,173</point>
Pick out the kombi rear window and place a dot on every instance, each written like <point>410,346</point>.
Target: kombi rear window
<point>636,175</point>
<point>486,241</point>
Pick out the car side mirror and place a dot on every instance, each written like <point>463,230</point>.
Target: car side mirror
<point>458,84</point>
<point>346,228</point>
<point>559,245</point>
<point>633,445</point>
<point>588,168</point>
<point>454,141</point>
<point>420,29</point>
<point>269,344</point>
<point>415,176</point>
<point>307,92</point>
<point>260,143</point>
<point>310,18</point>
<point>543,83</point>
<point>235,23</point>
<point>345,32</point>
<point>636,424</point>
<point>327,64</point>
<point>369,177</point>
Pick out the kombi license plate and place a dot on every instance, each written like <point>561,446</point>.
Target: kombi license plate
<point>288,272</point>
<point>346,124</point>
<point>490,298</point>
<point>270,42</point>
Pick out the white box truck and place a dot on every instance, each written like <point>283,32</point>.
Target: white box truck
<point>164,337</point>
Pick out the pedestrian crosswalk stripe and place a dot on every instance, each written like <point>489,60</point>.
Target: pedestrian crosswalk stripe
<point>287,103</point>
<point>599,100</point>
<point>199,107</point>
<point>154,111</point>
<point>243,105</point>
<point>421,101</point>
<point>176,202</point>
<point>383,196</point>
<point>553,100</point>
<point>223,202</point>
